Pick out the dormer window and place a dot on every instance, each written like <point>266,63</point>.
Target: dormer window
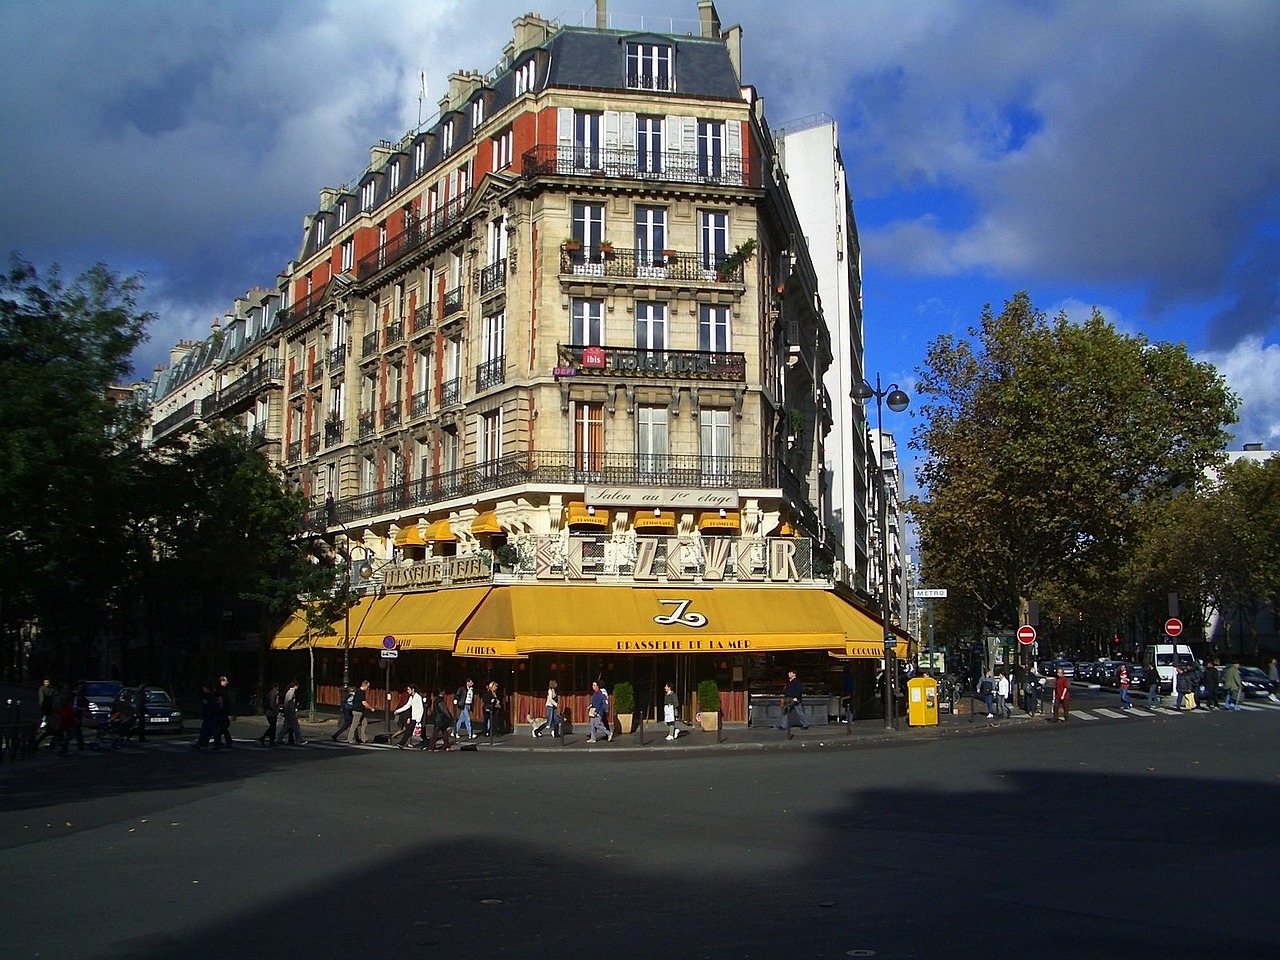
<point>342,213</point>
<point>446,137</point>
<point>477,113</point>
<point>419,157</point>
<point>367,193</point>
<point>526,74</point>
<point>393,175</point>
<point>320,227</point>
<point>650,67</point>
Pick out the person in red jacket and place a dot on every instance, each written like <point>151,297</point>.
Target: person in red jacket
<point>1061,697</point>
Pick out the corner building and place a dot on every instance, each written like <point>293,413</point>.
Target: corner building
<point>551,371</point>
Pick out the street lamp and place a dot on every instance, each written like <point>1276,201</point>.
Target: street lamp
<point>897,401</point>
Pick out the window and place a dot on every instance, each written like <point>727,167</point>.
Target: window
<point>587,139</point>
<point>446,137</point>
<point>710,149</point>
<point>367,194</point>
<point>651,440</point>
<point>342,213</point>
<point>714,237</point>
<point>496,239</point>
<point>368,474</point>
<point>320,228</point>
<point>526,74</point>
<point>422,457</point>
<point>714,443</point>
<point>503,148</point>
<point>651,326</point>
<point>348,255</point>
<point>588,226</point>
<point>494,344</point>
<point>489,441</point>
<point>477,113</point>
<point>713,329</point>
<point>588,437</point>
<point>651,235</point>
<point>587,322</point>
<point>393,177</point>
<point>419,157</point>
<point>649,144</point>
<point>649,67</point>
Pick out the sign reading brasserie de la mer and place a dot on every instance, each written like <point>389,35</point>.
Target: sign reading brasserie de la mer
<point>679,497</point>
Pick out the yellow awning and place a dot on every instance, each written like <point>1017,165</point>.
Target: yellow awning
<point>486,522</point>
<point>579,513</point>
<point>489,649</point>
<point>418,621</point>
<point>440,532</point>
<point>607,619</point>
<point>713,521</point>
<point>647,520</point>
<point>410,536</point>
<point>784,529</point>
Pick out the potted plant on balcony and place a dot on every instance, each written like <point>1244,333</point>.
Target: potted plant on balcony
<point>735,261</point>
<point>624,705</point>
<point>708,706</point>
<point>571,245</point>
<point>507,557</point>
<point>606,249</point>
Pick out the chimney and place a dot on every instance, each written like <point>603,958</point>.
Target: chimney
<point>530,31</point>
<point>461,86</point>
<point>602,14</point>
<point>733,43</point>
<point>708,19</point>
<point>1257,447</point>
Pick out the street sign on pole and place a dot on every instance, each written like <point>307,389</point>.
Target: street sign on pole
<point>932,594</point>
<point>1027,634</point>
<point>1173,627</point>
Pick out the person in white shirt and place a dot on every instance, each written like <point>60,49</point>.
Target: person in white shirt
<point>1002,696</point>
<point>412,706</point>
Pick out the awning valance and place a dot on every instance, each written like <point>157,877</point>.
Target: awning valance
<point>440,532</point>
<point>410,536</point>
<point>578,513</point>
<point>662,520</point>
<point>712,520</point>
<point>486,522</point>
<point>418,621</point>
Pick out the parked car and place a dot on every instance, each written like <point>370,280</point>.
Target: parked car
<point>1254,685</point>
<point>100,694</point>
<point>163,715</point>
<point>1050,668</point>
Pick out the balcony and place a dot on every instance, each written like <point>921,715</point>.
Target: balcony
<point>188,413</point>
<point>337,359</point>
<point>298,381</point>
<point>264,374</point>
<point>423,318</point>
<point>391,416</point>
<point>295,451</point>
<point>317,371</point>
<point>627,163</point>
<point>369,345</point>
<point>313,441</point>
<point>393,334</point>
<point>451,392</point>
<point>647,265</point>
<point>419,404</point>
<point>417,235</point>
<point>452,302</point>
<point>333,432</point>
<point>365,424</point>
<point>493,277</point>
<point>491,373</point>
<point>653,364</point>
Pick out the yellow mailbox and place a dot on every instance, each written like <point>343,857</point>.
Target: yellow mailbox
<point>922,702</point>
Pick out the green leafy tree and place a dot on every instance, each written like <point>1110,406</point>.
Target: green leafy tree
<point>1043,443</point>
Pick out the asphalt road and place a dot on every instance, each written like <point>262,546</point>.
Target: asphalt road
<point>1152,838</point>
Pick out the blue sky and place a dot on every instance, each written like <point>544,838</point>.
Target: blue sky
<point>1124,155</point>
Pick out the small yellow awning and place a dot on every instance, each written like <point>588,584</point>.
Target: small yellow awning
<point>648,520</point>
<point>418,621</point>
<point>486,522</point>
<point>578,512</point>
<point>410,536</point>
<point>711,520</point>
<point>440,532</point>
<point>784,529</point>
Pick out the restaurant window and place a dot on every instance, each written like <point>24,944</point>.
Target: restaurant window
<point>588,438</point>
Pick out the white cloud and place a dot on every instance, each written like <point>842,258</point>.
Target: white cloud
<point>1252,371</point>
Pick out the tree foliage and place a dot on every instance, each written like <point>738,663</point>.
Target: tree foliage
<point>1044,443</point>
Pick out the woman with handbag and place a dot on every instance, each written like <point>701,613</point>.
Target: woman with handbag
<point>670,710</point>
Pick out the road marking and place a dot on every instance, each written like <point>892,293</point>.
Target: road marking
<point>1140,712</point>
<point>1081,714</point>
<point>1113,714</point>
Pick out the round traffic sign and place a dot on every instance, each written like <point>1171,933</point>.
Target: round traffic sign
<point>388,642</point>
<point>1027,634</point>
<point>1173,627</point>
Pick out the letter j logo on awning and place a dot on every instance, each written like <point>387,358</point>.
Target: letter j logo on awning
<point>679,615</point>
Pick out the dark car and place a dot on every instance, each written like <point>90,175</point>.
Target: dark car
<point>1050,668</point>
<point>163,715</point>
<point>100,694</point>
<point>1254,685</point>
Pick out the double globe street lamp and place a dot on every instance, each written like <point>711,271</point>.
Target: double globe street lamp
<point>897,400</point>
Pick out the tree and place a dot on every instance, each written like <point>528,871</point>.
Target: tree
<point>66,450</point>
<point>1043,444</point>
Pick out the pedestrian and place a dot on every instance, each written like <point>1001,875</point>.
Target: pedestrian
<point>552,726</point>
<point>66,720</point>
<point>1002,696</point>
<point>848,708</point>
<point>987,690</point>
<point>670,711</point>
<point>47,700</point>
<point>492,708</point>
<point>464,700</point>
<point>140,711</point>
<point>271,709</point>
<point>414,707</point>
<point>1185,683</point>
<point>346,712</point>
<point>442,722</point>
<point>1211,678</point>
<point>1031,700</point>
<point>222,714</point>
<point>80,707</point>
<point>1061,697</point>
<point>1273,671</point>
<point>208,718</point>
<point>1151,682</point>
<point>362,707</point>
<point>1124,688</point>
<point>292,730</point>
<point>598,712</point>
<point>1234,687</point>
<point>793,704</point>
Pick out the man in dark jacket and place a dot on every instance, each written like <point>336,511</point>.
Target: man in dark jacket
<point>793,703</point>
<point>1210,700</point>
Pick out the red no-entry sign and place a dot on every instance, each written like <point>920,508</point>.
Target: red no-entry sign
<point>1027,634</point>
<point>1173,627</point>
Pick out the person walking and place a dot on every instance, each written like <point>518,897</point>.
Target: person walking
<point>140,712</point>
<point>271,709</point>
<point>1211,678</point>
<point>66,720</point>
<point>1151,681</point>
<point>222,714</point>
<point>492,708</point>
<point>793,704</point>
<point>552,726</point>
<point>1061,697</point>
<point>208,718</point>
<point>362,707</point>
<point>1002,696</point>
<point>47,700</point>
<point>1273,671</point>
<point>987,691</point>
<point>465,700</point>
<point>1031,693</point>
<point>1234,687</point>
<point>346,712</point>
<point>1184,683</point>
<point>442,723</point>
<point>1125,703</point>
<point>848,706</point>
<point>292,731</point>
<point>414,707</point>
<point>670,711</point>
<point>598,712</point>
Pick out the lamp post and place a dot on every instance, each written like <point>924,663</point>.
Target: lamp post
<point>897,401</point>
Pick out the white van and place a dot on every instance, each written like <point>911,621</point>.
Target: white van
<point>1168,657</point>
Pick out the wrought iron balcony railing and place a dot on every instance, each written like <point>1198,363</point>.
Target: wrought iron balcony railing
<point>647,265</point>
<point>452,302</point>
<point>391,416</point>
<point>423,317</point>
<point>393,334</point>
<point>451,392</point>
<point>628,163</point>
<point>365,423</point>
<point>493,277</point>
<point>491,373</point>
<point>267,373</point>
<point>369,344</point>
<point>417,234</point>
<point>295,451</point>
<point>589,361</point>
<point>333,432</point>
<point>298,381</point>
<point>313,441</point>
<point>317,371</point>
<point>420,404</point>
<point>337,358</point>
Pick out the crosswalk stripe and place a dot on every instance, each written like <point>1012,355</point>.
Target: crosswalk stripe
<point>1083,715</point>
<point>1113,714</point>
<point>1140,712</point>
